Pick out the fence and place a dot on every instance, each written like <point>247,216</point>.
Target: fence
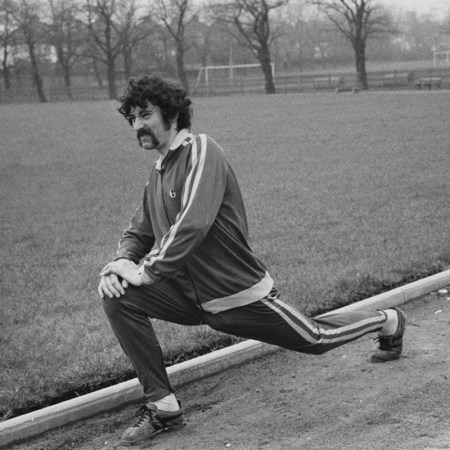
<point>314,82</point>
<point>433,78</point>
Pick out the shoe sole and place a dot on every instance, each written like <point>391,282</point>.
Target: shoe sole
<point>173,427</point>
<point>385,356</point>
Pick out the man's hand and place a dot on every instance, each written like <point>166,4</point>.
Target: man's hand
<point>111,286</point>
<point>127,270</point>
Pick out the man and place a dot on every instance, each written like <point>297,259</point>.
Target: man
<point>190,232</point>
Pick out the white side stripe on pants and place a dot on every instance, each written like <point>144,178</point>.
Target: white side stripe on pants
<point>315,334</point>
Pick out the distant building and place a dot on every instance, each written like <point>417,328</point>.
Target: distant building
<point>45,52</point>
<point>441,58</point>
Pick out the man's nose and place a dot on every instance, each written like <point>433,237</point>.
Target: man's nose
<point>137,124</point>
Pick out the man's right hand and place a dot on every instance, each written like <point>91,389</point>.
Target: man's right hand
<point>111,286</point>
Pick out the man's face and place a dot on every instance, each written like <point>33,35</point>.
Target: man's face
<point>151,130</point>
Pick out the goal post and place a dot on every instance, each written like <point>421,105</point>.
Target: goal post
<point>230,69</point>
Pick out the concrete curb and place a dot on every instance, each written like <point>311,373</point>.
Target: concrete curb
<point>37,422</point>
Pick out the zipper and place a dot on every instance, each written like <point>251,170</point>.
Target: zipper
<point>163,201</point>
<point>188,273</point>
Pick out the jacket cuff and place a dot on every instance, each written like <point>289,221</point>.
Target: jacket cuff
<point>146,273</point>
<point>129,257</point>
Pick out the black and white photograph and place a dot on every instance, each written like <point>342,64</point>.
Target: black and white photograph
<point>225,224</point>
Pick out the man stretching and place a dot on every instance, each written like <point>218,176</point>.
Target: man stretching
<point>185,258</point>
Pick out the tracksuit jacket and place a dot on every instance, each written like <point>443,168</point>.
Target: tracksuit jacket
<point>192,229</point>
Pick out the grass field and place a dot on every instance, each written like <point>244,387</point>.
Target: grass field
<point>346,195</point>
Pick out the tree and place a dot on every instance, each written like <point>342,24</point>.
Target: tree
<point>104,38</point>
<point>32,31</point>
<point>357,20</point>
<point>176,15</point>
<point>288,49</point>
<point>113,28</point>
<point>252,21</point>
<point>65,35</point>
<point>154,53</point>
<point>7,29</point>
<point>199,35</point>
<point>131,32</point>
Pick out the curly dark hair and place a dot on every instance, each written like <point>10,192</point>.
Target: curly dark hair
<point>168,96</point>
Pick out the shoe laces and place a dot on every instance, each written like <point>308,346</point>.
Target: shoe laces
<point>145,416</point>
<point>384,342</point>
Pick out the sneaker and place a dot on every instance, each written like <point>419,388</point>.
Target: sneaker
<point>150,423</point>
<point>390,347</point>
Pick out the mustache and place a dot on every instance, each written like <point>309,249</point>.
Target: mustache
<point>145,131</point>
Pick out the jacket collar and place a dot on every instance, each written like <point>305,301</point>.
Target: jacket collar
<point>180,139</point>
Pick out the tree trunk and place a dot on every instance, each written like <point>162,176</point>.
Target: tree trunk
<point>111,72</point>
<point>5,68</point>
<point>264,59</point>
<point>360,56</point>
<point>67,81</point>
<point>180,68</point>
<point>37,79</point>
<point>65,67</point>
<point>6,76</point>
<point>97,73</point>
<point>127,62</point>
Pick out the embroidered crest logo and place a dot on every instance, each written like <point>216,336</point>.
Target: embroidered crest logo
<point>172,193</point>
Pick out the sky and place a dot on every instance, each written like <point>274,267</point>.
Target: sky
<point>437,8</point>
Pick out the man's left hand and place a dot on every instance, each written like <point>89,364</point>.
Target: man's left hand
<point>126,269</point>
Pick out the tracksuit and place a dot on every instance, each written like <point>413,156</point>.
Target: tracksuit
<point>190,235</point>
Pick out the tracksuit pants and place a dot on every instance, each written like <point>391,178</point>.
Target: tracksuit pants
<point>269,320</point>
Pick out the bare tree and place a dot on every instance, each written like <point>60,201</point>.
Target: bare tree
<point>104,37</point>
<point>357,20</point>
<point>199,35</point>
<point>154,53</point>
<point>114,28</point>
<point>289,47</point>
<point>251,19</point>
<point>32,30</point>
<point>7,29</point>
<point>176,16</point>
<point>65,35</point>
<point>132,31</point>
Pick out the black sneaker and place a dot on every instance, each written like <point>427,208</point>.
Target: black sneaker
<point>391,347</point>
<point>151,422</point>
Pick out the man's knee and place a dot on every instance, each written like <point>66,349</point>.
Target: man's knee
<point>114,307</point>
<point>128,304</point>
<point>111,306</point>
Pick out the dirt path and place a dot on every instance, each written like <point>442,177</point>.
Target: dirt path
<point>292,401</point>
